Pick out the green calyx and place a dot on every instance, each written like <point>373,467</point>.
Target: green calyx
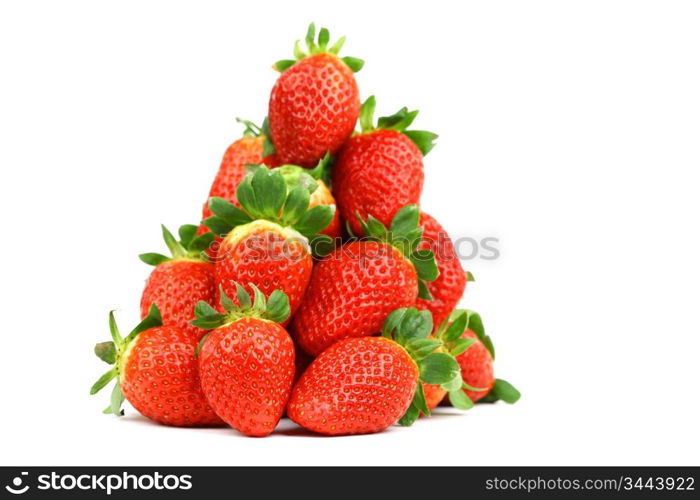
<point>318,45</point>
<point>411,329</point>
<point>295,175</point>
<point>188,247</point>
<point>275,308</point>
<point>112,352</point>
<point>450,333</point>
<point>265,195</point>
<point>251,129</point>
<point>406,234</point>
<point>399,121</point>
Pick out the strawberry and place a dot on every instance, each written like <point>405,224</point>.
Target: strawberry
<point>268,241</point>
<point>359,284</point>
<point>246,363</point>
<point>156,372</point>
<point>381,169</point>
<point>178,282</point>
<point>246,150</point>
<point>364,385</point>
<point>464,335</point>
<point>315,102</point>
<point>448,288</point>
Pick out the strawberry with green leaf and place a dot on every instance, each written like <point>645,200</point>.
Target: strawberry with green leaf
<point>269,240</point>
<point>354,288</point>
<point>380,170</point>
<point>156,372</point>
<point>315,102</point>
<point>464,336</point>
<point>181,280</point>
<point>364,385</point>
<point>246,362</point>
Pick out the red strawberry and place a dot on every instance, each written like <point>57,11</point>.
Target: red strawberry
<point>380,170</point>
<point>156,372</point>
<point>315,102</point>
<point>364,385</point>
<point>357,286</point>
<point>246,363</point>
<point>448,288</point>
<point>268,242</point>
<point>177,283</point>
<point>463,334</point>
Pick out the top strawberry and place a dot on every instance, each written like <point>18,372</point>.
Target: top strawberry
<point>315,102</point>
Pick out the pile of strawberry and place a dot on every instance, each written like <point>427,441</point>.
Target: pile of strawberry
<point>315,285</point>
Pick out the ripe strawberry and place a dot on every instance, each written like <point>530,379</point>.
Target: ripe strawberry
<point>359,284</point>
<point>463,334</point>
<point>246,363</point>
<point>177,283</point>
<point>381,169</point>
<point>156,372</point>
<point>268,242</point>
<point>448,288</point>
<point>315,102</point>
<point>364,385</point>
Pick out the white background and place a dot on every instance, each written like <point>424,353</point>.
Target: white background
<point>568,130</point>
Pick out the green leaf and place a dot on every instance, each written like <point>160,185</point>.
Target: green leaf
<point>103,380</point>
<point>335,48</point>
<point>367,114</point>
<point>505,391</point>
<point>420,348</point>
<point>314,220</point>
<point>399,121</point>
<point>113,330</point>
<point>243,297</point>
<point>415,324</point>
<point>251,129</point>
<point>176,249</point>
<point>152,320</point>
<point>410,416</point>
<point>246,197</point>
<point>116,400</point>
<point>209,322</point>
<point>202,310</point>
<point>200,344</point>
<point>217,225</point>
<point>186,233</point>
<point>423,292</point>
<point>201,242</point>
<point>419,400</point>
<point>228,212</point>
<point>424,262</point>
<point>392,321</point>
<point>456,328</point>
<point>470,276</point>
<point>277,307</point>
<point>476,325</point>
<point>270,191</point>
<point>259,303</point>
<point>438,368</point>
<point>423,139</point>
<point>460,400</point>
<point>460,345</point>
<point>323,38</point>
<point>268,146</point>
<point>296,205</point>
<point>405,221</point>
<point>353,63</point>
<point>310,36</point>
<point>454,384</point>
<point>225,301</point>
<point>284,64</point>
<point>375,228</point>
<point>321,245</point>
<point>106,351</point>
<point>298,51</point>
<point>153,259</point>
